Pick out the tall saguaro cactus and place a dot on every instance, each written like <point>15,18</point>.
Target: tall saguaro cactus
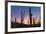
<point>30,15</point>
<point>22,16</point>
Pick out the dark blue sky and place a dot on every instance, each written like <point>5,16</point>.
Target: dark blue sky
<point>16,11</point>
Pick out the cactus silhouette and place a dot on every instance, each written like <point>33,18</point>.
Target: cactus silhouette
<point>22,16</point>
<point>30,15</point>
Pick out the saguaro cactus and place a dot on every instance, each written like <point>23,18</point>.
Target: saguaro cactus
<point>30,15</point>
<point>22,16</point>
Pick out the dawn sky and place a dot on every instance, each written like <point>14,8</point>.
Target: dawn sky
<point>16,12</point>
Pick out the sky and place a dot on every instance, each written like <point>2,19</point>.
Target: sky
<point>16,12</point>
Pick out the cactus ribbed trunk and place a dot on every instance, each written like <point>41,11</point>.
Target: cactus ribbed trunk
<point>30,15</point>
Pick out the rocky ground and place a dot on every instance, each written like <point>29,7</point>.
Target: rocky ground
<point>17,25</point>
